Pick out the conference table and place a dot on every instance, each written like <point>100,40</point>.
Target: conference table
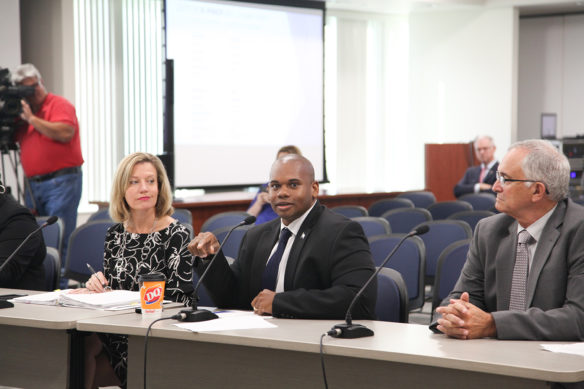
<point>39,344</point>
<point>397,356</point>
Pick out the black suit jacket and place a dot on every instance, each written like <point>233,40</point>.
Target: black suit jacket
<point>471,177</point>
<point>328,263</point>
<point>25,270</point>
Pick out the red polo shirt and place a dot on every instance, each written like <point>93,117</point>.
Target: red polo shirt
<point>41,154</point>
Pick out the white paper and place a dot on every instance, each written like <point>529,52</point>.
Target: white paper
<point>230,320</point>
<point>571,348</point>
<point>114,300</point>
<point>49,298</point>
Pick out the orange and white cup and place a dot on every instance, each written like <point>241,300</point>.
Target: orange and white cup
<point>152,294</point>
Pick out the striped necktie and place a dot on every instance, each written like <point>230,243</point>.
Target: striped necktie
<point>270,274</point>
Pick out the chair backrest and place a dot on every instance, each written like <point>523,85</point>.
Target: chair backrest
<point>350,211</point>
<point>403,220</point>
<point>392,297</point>
<point>86,245</point>
<point>53,234</point>
<point>409,260</point>
<point>471,217</point>
<point>204,298</point>
<point>379,207</point>
<point>231,247</point>
<point>441,234</point>
<point>448,270</point>
<point>52,265</point>
<point>373,226</point>
<point>101,214</point>
<point>479,201</point>
<point>183,215</point>
<point>443,209</point>
<point>223,219</point>
<point>421,199</point>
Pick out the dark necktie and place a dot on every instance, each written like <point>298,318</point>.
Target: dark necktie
<point>271,271</point>
<point>520,272</point>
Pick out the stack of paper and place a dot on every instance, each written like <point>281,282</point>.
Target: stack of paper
<point>114,300</point>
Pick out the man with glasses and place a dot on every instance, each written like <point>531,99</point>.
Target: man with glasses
<point>480,178</point>
<point>524,274</point>
<point>50,152</point>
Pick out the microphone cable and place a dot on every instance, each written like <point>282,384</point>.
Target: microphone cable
<point>322,359</point>
<point>178,316</point>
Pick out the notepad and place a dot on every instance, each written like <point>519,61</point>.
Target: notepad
<point>114,300</point>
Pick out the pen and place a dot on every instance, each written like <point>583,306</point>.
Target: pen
<point>94,273</point>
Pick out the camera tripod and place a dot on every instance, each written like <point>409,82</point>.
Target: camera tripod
<point>11,151</point>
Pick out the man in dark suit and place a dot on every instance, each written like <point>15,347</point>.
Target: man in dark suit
<point>524,275</point>
<point>323,264</point>
<point>480,178</point>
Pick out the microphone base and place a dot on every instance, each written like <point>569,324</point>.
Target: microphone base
<point>194,315</point>
<point>6,304</point>
<point>351,331</point>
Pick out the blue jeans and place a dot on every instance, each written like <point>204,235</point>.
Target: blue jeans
<point>60,197</point>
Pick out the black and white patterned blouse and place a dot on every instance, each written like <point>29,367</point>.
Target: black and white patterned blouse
<point>129,255</point>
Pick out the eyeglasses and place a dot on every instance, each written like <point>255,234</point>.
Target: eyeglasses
<point>502,180</point>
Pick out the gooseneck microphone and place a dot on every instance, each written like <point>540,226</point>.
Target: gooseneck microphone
<point>350,330</point>
<point>194,314</point>
<point>50,220</point>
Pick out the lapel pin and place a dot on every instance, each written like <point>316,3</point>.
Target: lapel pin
<point>302,236</point>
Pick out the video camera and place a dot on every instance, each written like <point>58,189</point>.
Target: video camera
<point>10,108</point>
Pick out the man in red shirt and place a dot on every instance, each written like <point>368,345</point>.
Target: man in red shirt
<point>50,152</point>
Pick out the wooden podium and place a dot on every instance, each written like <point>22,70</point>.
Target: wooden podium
<point>445,166</point>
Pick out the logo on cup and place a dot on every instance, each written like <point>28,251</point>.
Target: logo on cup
<point>152,294</point>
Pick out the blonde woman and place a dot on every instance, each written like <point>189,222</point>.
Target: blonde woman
<point>146,239</point>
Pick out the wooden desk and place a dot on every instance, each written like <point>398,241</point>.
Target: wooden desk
<point>204,207</point>
<point>38,343</point>
<point>398,356</point>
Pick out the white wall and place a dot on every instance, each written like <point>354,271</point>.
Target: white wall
<point>551,60</point>
<point>9,58</point>
<point>462,77</point>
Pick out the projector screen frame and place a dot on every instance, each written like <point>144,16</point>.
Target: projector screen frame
<point>168,155</point>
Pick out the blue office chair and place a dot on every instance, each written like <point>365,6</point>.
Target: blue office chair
<point>223,219</point>
<point>231,247</point>
<point>392,297</point>
<point>379,207</point>
<point>86,245</point>
<point>53,234</point>
<point>373,226</point>
<point>443,209</point>
<point>409,260</point>
<point>441,234</point>
<point>448,270</point>
<point>479,201</point>
<point>100,214</point>
<point>52,265</point>
<point>350,211</point>
<point>403,220</point>
<point>471,217</point>
<point>421,199</point>
<point>183,215</point>
<point>204,297</point>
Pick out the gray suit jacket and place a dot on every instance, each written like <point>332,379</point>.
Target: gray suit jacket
<point>555,289</point>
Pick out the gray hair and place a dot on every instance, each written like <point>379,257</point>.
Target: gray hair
<point>546,164</point>
<point>26,70</point>
<point>488,137</point>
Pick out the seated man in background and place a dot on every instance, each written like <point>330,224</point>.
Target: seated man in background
<point>25,270</point>
<point>480,178</point>
<point>308,264</point>
<point>260,206</point>
<point>524,275</point>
